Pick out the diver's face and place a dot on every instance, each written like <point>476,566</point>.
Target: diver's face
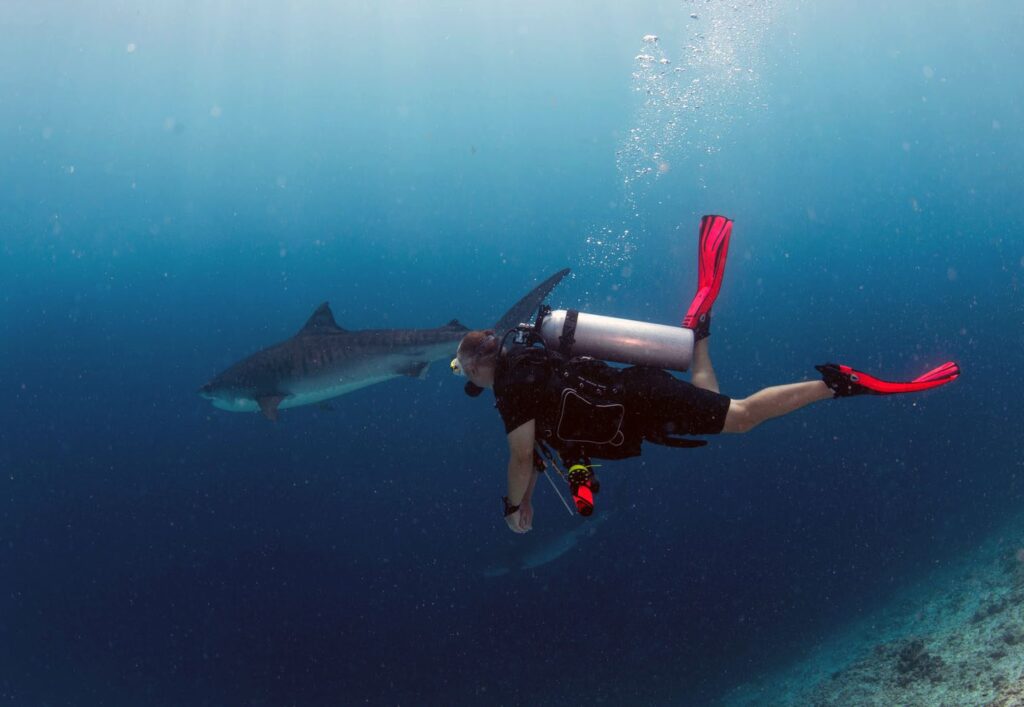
<point>482,374</point>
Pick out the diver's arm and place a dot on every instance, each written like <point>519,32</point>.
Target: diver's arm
<point>520,463</point>
<point>529,489</point>
<point>520,477</point>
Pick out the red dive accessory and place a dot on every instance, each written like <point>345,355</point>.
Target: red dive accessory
<point>715,232</point>
<point>845,381</point>
<point>583,485</point>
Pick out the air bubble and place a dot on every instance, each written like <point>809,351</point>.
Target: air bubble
<point>688,92</point>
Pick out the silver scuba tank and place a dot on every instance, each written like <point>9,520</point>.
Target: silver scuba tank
<point>621,340</point>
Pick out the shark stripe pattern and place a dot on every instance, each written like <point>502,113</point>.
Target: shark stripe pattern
<point>323,360</point>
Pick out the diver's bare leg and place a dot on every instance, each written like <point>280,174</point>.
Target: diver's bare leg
<point>702,374</point>
<point>748,413</point>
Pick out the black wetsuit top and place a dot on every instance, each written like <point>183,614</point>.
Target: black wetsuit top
<point>531,383</point>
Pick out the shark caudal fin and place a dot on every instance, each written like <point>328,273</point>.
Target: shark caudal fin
<point>522,310</point>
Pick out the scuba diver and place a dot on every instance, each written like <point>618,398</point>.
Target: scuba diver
<point>563,406</point>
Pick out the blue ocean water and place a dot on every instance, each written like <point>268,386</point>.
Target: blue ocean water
<point>183,183</point>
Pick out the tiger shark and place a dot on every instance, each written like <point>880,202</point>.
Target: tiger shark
<point>323,361</point>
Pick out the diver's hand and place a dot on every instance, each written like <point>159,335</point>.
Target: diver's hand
<point>526,516</point>
<point>518,518</point>
<point>513,520</point>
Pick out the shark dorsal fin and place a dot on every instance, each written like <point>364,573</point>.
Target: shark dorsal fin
<point>457,324</point>
<point>524,309</point>
<point>322,322</point>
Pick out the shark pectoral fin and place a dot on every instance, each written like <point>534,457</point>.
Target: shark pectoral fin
<point>268,406</point>
<point>416,369</point>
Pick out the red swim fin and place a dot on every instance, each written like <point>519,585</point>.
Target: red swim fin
<point>845,381</point>
<point>715,232</point>
<point>937,376</point>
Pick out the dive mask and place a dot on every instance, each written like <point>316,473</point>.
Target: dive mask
<point>471,389</point>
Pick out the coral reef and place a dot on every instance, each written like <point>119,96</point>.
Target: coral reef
<point>957,638</point>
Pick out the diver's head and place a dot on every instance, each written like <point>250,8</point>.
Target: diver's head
<point>477,357</point>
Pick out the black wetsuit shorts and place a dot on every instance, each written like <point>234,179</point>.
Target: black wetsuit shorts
<point>662,404</point>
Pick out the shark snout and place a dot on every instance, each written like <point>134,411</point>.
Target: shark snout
<point>206,391</point>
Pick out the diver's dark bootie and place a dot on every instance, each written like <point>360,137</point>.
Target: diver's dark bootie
<point>842,380</point>
<point>702,329</point>
<point>845,381</point>
<point>713,249</point>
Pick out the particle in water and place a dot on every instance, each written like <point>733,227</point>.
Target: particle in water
<point>131,47</point>
<point>650,38</point>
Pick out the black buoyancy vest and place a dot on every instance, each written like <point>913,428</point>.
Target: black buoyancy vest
<point>584,412</point>
<point>589,413</point>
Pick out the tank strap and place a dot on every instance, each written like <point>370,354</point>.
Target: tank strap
<point>568,337</point>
